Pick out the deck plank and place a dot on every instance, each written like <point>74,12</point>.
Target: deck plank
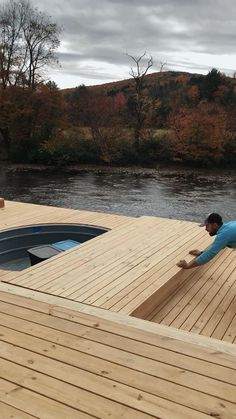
<point>17,213</point>
<point>180,306</point>
<point>74,365</point>
<point>203,304</point>
<point>35,404</point>
<point>9,412</point>
<point>125,256</point>
<point>226,318</point>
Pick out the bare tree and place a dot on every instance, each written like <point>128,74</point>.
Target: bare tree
<point>10,29</point>
<point>28,41</point>
<point>140,105</point>
<point>162,66</point>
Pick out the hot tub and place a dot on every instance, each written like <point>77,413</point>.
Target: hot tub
<point>14,243</point>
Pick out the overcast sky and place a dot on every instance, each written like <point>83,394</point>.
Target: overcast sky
<point>187,35</point>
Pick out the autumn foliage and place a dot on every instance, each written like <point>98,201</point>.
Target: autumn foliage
<point>188,118</point>
<point>198,134</point>
<point>165,116</point>
<point>28,118</point>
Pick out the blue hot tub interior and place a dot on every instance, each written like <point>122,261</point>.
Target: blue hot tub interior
<point>15,242</point>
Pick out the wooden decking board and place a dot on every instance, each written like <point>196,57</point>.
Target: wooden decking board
<point>35,404</point>
<point>195,293</point>
<point>97,272</point>
<point>103,368</point>
<point>78,398</point>
<point>209,293</point>
<point>158,273</point>
<point>218,323</point>
<point>84,380</point>
<point>9,412</point>
<point>225,291</point>
<point>132,257</point>
<point>118,368</point>
<point>172,346</point>
<point>103,386</point>
<point>88,315</point>
<point>164,306</point>
<point>163,250</point>
<point>112,248</point>
<point>195,304</point>
<point>33,217</point>
<point>230,333</point>
<point>177,299</point>
<point>90,248</point>
<point>94,342</point>
<point>52,377</point>
<point>49,268</point>
<point>224,321</point>
<point>16,214</point>
<point>170,309</point>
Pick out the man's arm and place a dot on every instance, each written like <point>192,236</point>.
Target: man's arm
<point>219,243</point>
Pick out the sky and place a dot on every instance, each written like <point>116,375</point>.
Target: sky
<point>99,35</point>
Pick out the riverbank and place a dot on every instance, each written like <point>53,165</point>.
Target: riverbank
<point>161,170</point>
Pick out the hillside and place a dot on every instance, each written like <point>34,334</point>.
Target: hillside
<point>150,80</point>
<point>161,94</point>
<point>167,78</point>
<point>171,116</point>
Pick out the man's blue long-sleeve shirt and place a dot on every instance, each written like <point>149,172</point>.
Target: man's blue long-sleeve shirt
<point>225,237</point>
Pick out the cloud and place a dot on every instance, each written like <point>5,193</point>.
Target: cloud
<point>97,35</point>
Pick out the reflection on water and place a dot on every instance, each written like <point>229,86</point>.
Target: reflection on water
<point>17,264</point>
<point>183,195</point>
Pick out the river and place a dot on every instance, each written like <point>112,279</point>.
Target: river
<point>179,194</point>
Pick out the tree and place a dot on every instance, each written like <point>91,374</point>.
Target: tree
<point>51,85</point>
<point>140,103</point>
<point>100,114</point>
<point>199,134</point>
<point>28,118</point>
<point>212,82</point>
<point>28,41</point>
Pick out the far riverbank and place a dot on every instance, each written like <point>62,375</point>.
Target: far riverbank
<point>161,170</point>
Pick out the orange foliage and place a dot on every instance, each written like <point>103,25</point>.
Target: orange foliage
<point>27,115</point>
<point>193,94</point>
<point>120,101</point>
<point>100,114</point>
<point>221,91</point>
<point>200,133</point>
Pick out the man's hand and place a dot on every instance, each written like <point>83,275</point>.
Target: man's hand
<point>195,252</point>
<point>182,264</point>
<point>185,265</point>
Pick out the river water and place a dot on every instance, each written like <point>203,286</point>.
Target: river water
<point>179,194</point>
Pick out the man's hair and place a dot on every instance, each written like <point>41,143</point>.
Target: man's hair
<point>214,218</point>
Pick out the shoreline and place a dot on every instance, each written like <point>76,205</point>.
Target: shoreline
<point>122,170</point>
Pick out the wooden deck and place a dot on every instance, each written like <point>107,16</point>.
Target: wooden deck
<point>57,362</point>
<point>70,346</point>
<point>128,269</point>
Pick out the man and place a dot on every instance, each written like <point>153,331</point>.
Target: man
<point>225,237</point>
